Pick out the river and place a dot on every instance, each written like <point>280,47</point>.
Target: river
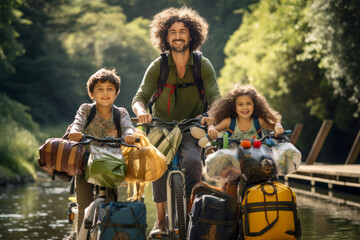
<point>39,211</point>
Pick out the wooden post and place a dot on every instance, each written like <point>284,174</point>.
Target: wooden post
<point>319,142</point>
<point>354,152</point>
<point>296,133</point>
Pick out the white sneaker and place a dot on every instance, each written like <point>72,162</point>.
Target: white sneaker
<point>159,228</point>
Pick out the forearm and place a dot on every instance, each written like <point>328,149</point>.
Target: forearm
<point>139,108</point>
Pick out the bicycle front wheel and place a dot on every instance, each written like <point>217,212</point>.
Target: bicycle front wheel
<point>178,209</point>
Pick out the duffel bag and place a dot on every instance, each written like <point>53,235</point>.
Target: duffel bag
<point>213,215</point>
<point>122,220</point>
<point>269,211</point>
<point>59,155</point>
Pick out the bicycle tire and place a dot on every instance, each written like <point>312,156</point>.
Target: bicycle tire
<point>179,218</point>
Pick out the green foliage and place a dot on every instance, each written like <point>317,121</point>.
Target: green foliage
<point>107,40</point>
<point>10,48</point>
<point>262,52</point>
<point>18,145</point>
<point>334,40</point>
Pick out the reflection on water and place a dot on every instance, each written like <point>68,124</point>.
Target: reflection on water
<point>39,211</point>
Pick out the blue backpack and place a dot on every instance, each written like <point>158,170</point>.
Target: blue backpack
<point>122,220</point>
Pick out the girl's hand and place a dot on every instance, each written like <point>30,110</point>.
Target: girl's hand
<point>75,136</point>
<point>212,132</point>
<point>278,128</point>
<point>129,139</point>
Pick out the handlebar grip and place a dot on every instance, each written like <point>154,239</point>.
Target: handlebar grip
<point>288,132</point>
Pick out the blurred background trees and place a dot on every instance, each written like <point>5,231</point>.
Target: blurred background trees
<point>301,55</point>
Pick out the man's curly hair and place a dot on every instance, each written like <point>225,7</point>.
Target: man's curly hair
<point>198,27</point>
<point>226,107</point>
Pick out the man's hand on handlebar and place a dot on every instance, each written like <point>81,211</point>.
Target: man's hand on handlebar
<point>144,118</point>
<point>207,120</point>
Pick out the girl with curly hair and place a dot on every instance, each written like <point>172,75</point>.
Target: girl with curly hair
<point>244,103</point>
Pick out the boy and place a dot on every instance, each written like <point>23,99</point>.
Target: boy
<point>103,88</point>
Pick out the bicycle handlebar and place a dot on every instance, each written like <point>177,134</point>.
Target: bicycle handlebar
<point>184,123</point>
<point>111,141</point>
<point>270,135</point>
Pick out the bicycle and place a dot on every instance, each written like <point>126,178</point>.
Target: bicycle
<point>102,194</point>
<point>176,207</point>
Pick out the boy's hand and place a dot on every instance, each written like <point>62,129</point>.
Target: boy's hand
<point>212,132</point>
<point>278,129</point>
<point>129,139</point>
<point>75,136</point>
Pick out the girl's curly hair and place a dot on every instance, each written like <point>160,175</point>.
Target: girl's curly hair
<point>225,107</point>
<point>198,27</point>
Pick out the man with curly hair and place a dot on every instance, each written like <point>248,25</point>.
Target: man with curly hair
<point>179,32</point>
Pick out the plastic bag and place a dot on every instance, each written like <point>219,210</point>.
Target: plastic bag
<point>106,167</point>
<point>145,164</point>
<point>287,158</point>
<point>223,164</point>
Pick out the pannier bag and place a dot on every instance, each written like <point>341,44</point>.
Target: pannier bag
<point>269,211</point>
<point>213,215</point>
<point>106,167</point>
<point>122,220</point>
<point>58,155</point>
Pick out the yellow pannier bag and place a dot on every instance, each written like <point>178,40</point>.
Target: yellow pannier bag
<point>269,211</point>
<point>145,164</point>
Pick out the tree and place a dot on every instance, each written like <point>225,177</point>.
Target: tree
<point>334,39</point>
<point>105,38</point>
<point>10,48</point>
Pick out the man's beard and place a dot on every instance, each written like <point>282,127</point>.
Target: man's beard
<point>183,49</point>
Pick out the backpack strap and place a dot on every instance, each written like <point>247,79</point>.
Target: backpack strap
<point>164,73</point>
<point>231,128</point>
<point>116,119</point>
<point>91,115</point>
<point>196,72</point>
<point>257,126</point>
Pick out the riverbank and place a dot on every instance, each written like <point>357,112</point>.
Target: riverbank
<point>8,179</point>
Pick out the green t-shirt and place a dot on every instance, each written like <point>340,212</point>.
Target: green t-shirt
<point>187,103</point>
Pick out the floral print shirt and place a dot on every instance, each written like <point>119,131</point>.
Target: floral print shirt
<point>99,127</point>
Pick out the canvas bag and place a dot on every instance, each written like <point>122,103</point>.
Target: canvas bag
<point>59,155</point>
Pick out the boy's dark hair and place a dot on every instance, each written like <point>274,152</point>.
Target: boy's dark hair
<point>103,75</point>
